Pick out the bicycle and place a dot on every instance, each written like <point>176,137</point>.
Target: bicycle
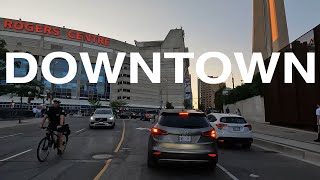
<point>51,141</point>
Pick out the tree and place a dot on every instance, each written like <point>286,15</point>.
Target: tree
<point>95,103</point>
<point>117,104</point>
<point>187,104</point>
<point>169,105</point>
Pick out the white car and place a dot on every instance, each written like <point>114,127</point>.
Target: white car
<point>102,117</point>
<point>231,128</point>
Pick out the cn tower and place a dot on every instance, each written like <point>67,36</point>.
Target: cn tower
<point>270,31</point>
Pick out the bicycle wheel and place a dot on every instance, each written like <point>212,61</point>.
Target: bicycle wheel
<point>44,148</point>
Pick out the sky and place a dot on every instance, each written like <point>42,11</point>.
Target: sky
<point>210,25</point>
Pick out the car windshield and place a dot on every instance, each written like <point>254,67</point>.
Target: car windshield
<point>103,111</point>
<point>233,120</point>
<point>192,121</point>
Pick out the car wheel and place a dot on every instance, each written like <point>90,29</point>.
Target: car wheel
<point>91,127</point>
<point>114,124</point>
<point>212,164</point>
<point>246,146</point>
<point>152,162</point>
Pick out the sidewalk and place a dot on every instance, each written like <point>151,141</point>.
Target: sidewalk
<point>12,123</point>
<point>292,142</point>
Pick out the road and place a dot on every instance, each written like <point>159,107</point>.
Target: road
<point>126,146</point>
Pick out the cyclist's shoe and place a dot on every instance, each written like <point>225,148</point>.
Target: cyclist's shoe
<point>59,152</point>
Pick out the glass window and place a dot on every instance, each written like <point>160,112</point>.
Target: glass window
<point>103,111</point>
<point>233,120</point>
<point>192,121</point>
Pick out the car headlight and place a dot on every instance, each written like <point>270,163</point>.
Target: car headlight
<point>112,118</point>
<point>92,118</point>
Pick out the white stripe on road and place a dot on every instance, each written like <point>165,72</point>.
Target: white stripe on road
<point>80,130</point>
<point>2,160</point>
<point>227,172</point>
<point>11,135</point>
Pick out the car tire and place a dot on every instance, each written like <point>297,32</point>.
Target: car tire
<point>91,127</point>
<point>152,163</point>
<point>212,165</point>
<point>112,127</point>
<point>246,146</point>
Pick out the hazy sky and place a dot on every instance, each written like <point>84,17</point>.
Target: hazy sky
<point>210,25</point>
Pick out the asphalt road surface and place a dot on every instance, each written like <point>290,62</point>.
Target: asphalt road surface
<point>125,146</point>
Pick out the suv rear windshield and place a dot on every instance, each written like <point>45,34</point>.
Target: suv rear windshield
<point>233,120</point>
<point>192,121</point>
<point>103,111</point>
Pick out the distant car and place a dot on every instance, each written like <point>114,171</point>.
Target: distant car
<point>231,128</point>
<point>182,136</point>
<point>102,117</point>
<point>125,115</point>
<point>148,115</point>
<point>134,115</point>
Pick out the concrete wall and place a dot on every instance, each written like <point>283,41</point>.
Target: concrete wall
<point>252,109</point>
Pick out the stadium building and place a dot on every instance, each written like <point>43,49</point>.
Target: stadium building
<point>41,39</point>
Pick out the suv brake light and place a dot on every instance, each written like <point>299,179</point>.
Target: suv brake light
<point>220,126</point>
<point>183,114</point>
<point>211,134</point>
<point>156,131</point>
<point>248,126</point>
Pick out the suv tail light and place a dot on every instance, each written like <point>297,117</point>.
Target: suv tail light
<point>248,126</point>
<point>211,133</point>
<point>147,115</point>
<point>156,131</point>
<point>220,126</point>
<point>183,114</point>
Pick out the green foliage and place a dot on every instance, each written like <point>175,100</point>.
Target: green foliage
<point>117,104</point>
<point>94,102</point>
<point>169,105</point>
<point>243,92</point>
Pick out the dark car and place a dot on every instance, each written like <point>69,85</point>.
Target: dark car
<point>125,115</point>
<point>182,136</point>
<point>147,115</point>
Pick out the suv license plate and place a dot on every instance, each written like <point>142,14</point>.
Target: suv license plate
<point>184,138</point>
<point>236,128</point>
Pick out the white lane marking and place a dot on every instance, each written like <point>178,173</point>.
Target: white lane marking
<point>254,176</point>
<point>11,135</point>
<point>141,128</point>
<point>2,160</point>
<point>227,172</point>
<point>80,130</point>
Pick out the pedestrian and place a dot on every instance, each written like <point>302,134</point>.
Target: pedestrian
<point>227,110</point>
<point>318,122</point>
<point>34,111</point>
<point>238,112</point>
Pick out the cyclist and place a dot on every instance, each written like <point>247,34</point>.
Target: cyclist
<point>56,115</point>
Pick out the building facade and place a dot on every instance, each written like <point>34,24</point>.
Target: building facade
<point>207,93</point>
<point>41,39</point>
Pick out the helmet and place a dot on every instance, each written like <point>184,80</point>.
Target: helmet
<point>57,101</point>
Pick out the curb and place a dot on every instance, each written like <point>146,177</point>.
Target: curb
<point>290,151</point>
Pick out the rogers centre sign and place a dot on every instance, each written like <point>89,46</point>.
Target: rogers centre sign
<point>54,31</point>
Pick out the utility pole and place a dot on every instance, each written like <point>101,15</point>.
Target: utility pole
<point>232,81</point>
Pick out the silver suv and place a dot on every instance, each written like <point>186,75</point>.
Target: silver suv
<point>102,117</point>
<point>182,136</point>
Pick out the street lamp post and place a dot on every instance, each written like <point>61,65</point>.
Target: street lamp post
<point>29,97</point>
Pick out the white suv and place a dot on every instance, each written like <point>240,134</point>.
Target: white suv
<point>102,117</point>
<point>231,128</point>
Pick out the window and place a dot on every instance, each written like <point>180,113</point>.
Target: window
<point>103,111</point>
<point>192,121</point>
<point>212,118</point>
<point>233,120</point>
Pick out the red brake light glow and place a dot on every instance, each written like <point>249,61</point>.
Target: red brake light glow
<point>183,114</point>
<point>220,126</point>
<point>248,126</point>
<point>211,133</point>
<point>156,131</point>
